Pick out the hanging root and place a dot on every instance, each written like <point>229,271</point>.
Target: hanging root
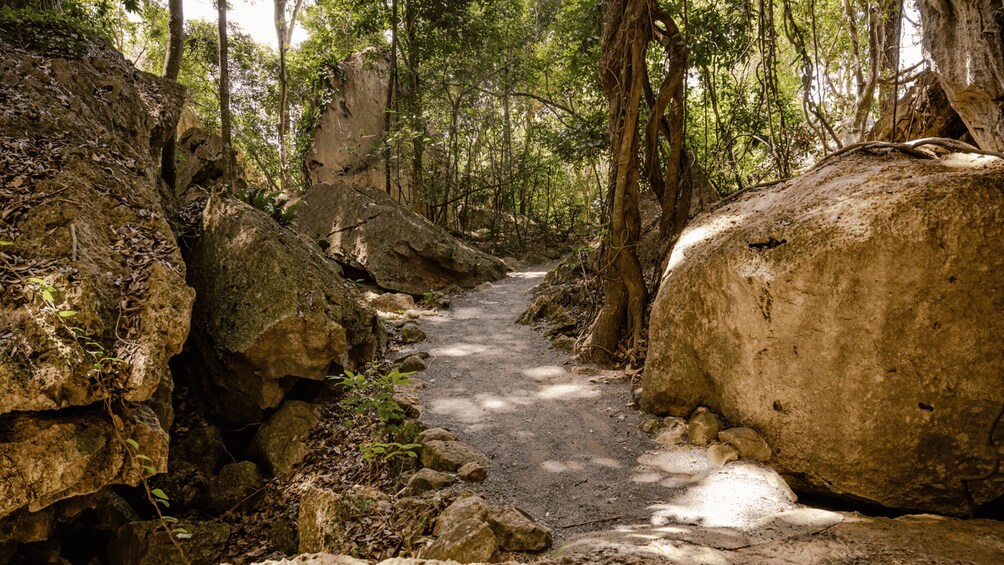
<point>912,148</point>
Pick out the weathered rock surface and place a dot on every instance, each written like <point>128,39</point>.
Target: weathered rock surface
<point>79,198</point>
<point>236,484</point>
<point>963,37</point>
<point>450,456</point>
<point>203,159</point>
<point>366,230</point>
<point>411,333</point>
<point>851,316</point>
<point>468,541</point>
<point>438,434</point>
<point>395,302</point>
<point>703,427</point>
<point>747,443</point>
<point>412,364</point>
<point>468,506</point>
<point>346,142</point>
<point>282,442</point>
<point>324,514</point>
<point>146,543</point>
<point>270,311</point>
<point>516,531</point>
<point>473,472</point>
<point>425,480</point>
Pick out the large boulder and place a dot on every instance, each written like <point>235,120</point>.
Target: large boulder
<point>93,300</point>
<point>963,38</point>
<point>854,317</point>
<point>347,140</point>
<point>270,310</point>
<point>366,230</point>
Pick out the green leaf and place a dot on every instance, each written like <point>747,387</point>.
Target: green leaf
<point>149,470</point>
<point>159,494</point>
<point>47,295</point>
<point>143,457</point>
<point>164,502</point>
<point>67,313</point>
<point>179,531</point>
<point>169,519</point>
<point>5,242</point>
<point>132,443</point>
<point>36,280</point>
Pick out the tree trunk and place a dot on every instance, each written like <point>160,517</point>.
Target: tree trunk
<point>965,38</point>
<point>228,165</point>
<point>391,96</point>
<point>284,34</point>
<point>627,31</point>
<point>172,67</point>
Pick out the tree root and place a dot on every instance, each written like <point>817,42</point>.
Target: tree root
<point>912,148</point>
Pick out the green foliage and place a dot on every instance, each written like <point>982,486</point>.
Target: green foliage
<point>272,203</point>
<point>373,394</point>
<point>389,451</point>
<point>63,33</point>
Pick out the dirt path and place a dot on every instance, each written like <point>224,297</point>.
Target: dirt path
<point>563,439</point>
<point>565,446</point>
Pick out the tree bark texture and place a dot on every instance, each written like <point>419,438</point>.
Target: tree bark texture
<point>224,56</point>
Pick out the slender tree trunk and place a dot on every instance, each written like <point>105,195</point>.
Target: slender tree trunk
<point>389,112</point>
<point>172,68</point>
<point>284,35</point>
<point>224,60</point>
<point>627,31</point>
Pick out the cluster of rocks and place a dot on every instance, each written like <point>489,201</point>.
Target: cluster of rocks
<point>705,428</point>
<point>466,530</point>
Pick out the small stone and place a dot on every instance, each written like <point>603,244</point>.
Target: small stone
<point>411,333</point>
<point>425,480</point>
<point>450,456</point>
<point>515,530</point>
<point>703,426</point>
<point>437,434</point>
<point>325,513</point>
<point>412,364</point>
<point>674,432</point>
<point>651,425</point>
<point>393,302</point>
<point>747,443</point>
<point>468,506</point>
<point>722,453</point>
<point>473,472</point>
<point>282,442</point>
<point>236,484</point>
<point>564,343</point>
<point>470,541</point>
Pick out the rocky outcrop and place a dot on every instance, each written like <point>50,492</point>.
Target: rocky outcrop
<point>93,300</point>
<point>270,311</point>
<point>366,230</point>
<point>853,318</point>
<point>965,40</point>
<point>347,140</point>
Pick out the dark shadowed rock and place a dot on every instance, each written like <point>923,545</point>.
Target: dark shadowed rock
<point>146,543</point>
<point>270,311</point>
<point>282,442</point>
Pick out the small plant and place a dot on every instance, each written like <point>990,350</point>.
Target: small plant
<point>429,300</point>
<point>389,451</point>
<point>374,395</point>
<point>272,203</point>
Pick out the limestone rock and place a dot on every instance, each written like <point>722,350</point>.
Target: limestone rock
<point>366,230</point>
<point>99,242</point>
<point>564,343</point>
<point>703,426</point>
<point>425,480</point>
<point>146,543</point>
<point>516,531</point>
<point>450,456</point>
<point>439,434</point>
<point>204,161</point>
<point>674,432</point>
<point>855,323</point>
<point>411,333</point>
<point>392,302</point>
<point>748,443</point>
<point>964,42</point>
<point>48,458</point>
<point>235,484</point>
<point>468,506</point>
<point>473,472</point>
<point>270,310</point>
<point>722,453</point>
<point>651,425</point>
<point>412,364</point>
<point>282,442</point>
<point>325,513</point>
<point>468,541</point>
<point>349,130</point>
